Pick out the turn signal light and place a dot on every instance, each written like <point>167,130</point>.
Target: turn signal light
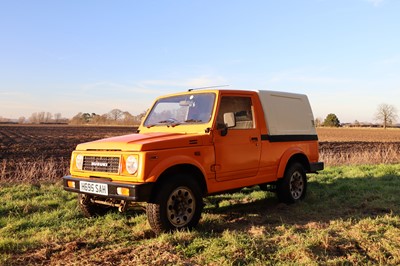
<point>71,184</point>
<point>123,191</point>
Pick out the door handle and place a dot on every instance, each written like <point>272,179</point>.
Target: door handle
<point>254,139</point>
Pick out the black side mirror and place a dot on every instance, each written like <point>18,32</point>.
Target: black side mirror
<point>224,131</point>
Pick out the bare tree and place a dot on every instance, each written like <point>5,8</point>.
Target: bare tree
<point>2,119</point>
<point>21,120</point>
<point>140,117</point>
<point>77,119</point>
<point>387,114</point>
<point>41,116</point>
<point>318,122</point>
<point>115,114</point>
<point>128,119</point>
<point>99,119</point>
<point>57,117</point>
<point>47,117</point>
<point>34,119</point>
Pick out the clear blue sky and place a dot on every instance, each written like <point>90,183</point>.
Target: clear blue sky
<point>93,56</point>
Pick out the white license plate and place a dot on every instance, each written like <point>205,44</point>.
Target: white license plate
<point>95,188</point>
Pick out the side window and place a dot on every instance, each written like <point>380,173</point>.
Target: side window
<point>241,107</point>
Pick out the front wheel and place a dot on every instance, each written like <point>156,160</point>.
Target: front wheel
<point>293,186</point>
<point>178,205</point>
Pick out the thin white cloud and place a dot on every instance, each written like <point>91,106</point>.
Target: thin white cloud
<point>103,85</point>
<point>103,96</point>
<point>201,81</point>
<point>305,76</point>
<point>152,87</point>
<point>206,81</point>
<point>376,2</point>
<point>107,87</point>
<point>394,60</point>
<point>13,94</point>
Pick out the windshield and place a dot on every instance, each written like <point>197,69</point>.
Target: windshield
<point>176,110</point>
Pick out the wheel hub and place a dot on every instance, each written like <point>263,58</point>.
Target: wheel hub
<point>181,206</point>
<point>296,185</point>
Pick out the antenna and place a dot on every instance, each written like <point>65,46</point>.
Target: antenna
<point>201,88</point>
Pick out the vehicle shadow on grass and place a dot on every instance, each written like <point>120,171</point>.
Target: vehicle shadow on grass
<point>353,198</point>
<point>326,200</point>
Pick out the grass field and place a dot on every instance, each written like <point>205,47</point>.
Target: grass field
<point>350,216</point>
<point>351,213</point>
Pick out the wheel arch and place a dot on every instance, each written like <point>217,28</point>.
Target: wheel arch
<point>291,157</point>
<point>194,172</point>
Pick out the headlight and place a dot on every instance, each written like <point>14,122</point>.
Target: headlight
<point>131,164</point>
<point>79,161</point>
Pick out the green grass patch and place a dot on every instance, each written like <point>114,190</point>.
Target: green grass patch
<point>351,215</point>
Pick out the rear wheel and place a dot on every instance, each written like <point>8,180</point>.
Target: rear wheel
<point>178,205</point>
<point>90,209</point>
<point>293,186</point>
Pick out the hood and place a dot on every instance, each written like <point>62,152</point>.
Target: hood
<point>143,142</point>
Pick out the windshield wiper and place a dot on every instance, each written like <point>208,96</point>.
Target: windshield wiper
<point>193,121</point>
<point>170,122</point>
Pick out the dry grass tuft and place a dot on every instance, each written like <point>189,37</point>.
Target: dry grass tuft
<point>355,146</point>
<point>33,170</point>
<point>379,153</point>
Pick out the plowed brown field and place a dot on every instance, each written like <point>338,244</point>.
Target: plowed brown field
<point>35,153</point>
<point>358,134</point>
<point>18,142</point>
<point>46,149</point>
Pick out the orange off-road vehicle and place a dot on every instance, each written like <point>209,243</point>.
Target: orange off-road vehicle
<point>199,143</point>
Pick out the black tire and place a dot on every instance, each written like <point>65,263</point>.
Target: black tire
<point>293,186</point>
<point>178,205</point>
<point>90,209</point>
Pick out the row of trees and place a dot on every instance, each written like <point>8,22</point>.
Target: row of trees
<point>44,118</point>
<point>38,118</point>
<point>114,117</point>
<point>386,115</point>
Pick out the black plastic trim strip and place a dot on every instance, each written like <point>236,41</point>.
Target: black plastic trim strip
<point>139,192</point>
<point>287,138</point>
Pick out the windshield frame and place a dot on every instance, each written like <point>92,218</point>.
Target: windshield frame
<point>188,108</point>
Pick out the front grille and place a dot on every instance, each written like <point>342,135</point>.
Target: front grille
<point>101,164</point>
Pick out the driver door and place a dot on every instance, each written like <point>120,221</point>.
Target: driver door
<point>238,152</point>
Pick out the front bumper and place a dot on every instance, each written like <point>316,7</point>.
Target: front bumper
<point>138,192</point>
